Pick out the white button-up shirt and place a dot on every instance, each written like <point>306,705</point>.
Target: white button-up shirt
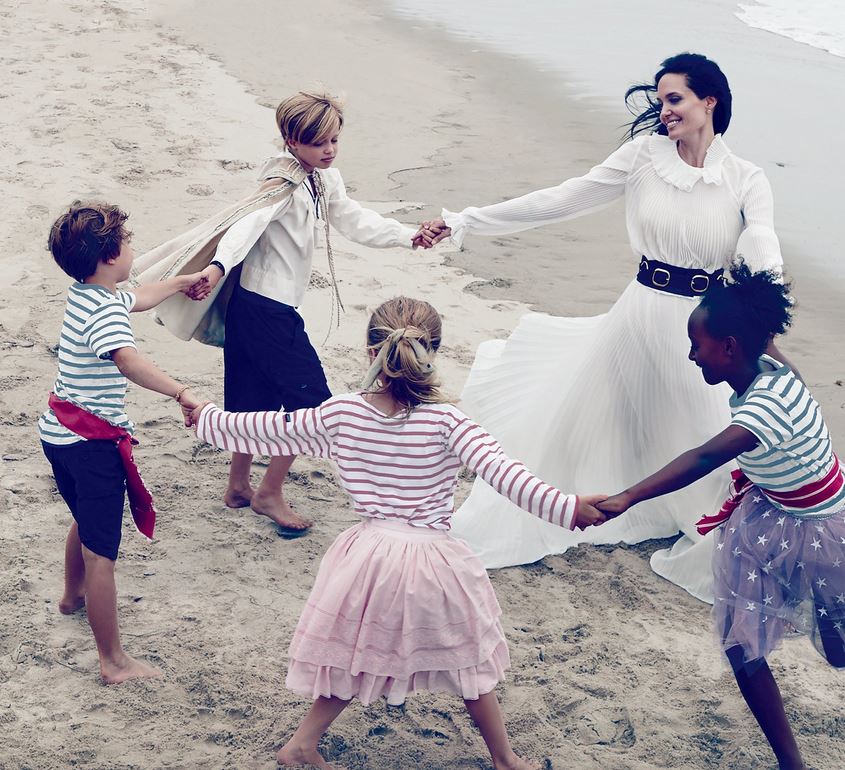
<point>276,243</point>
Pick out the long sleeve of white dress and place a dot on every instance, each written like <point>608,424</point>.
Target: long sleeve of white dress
<point>684,215</point>
<point>597,189</point>
<point>758,243</point>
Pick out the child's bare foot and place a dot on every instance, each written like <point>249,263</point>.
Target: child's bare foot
<point>515,763</point>
<point>275,507</point>
<point>69,605</point>
<point>115,672</point>
<point>238,498</point>
<point>299,756</point>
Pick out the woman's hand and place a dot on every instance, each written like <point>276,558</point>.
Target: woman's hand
<point>587,513</point>
<point>431,233</point>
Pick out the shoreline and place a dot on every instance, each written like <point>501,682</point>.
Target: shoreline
<point>121,103</point>
<point>764,70</point>
<point>494,128</point>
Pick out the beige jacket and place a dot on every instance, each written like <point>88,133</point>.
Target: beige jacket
<point>194,251</point>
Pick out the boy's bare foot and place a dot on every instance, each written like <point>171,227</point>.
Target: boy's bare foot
<point>238,498</point>
<point>275,507</point>
<point>115,672</point>
<point>298,756</point>
<point>67,606</point>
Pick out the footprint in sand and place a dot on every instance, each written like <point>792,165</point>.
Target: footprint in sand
<point>318,281</point>
<point>606,727</point>
<point>123,145</point>
<point>235,165</point>
<point>477,287</point>
<point>201,190</point>
<point>37,211</point>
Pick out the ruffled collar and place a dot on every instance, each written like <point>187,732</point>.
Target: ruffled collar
<point>672,168</point>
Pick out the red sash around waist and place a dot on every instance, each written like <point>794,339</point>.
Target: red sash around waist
<point>94,428</point>
<point>808,496</point>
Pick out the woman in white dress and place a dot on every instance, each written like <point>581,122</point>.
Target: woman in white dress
<point>605,400</point>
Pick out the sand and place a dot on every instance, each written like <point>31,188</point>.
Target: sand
<point>164,110</point>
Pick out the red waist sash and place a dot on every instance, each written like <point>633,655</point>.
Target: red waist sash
<point>808,496</point>
<point>94,428</point>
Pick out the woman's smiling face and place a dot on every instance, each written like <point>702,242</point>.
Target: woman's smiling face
<point>681,111</point>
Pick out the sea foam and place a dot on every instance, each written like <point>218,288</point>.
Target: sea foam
<point>819,23</point>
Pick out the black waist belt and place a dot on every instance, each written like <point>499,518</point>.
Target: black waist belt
<point>683,281</point>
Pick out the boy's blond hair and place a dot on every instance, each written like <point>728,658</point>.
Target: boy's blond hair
<point>309,117</point>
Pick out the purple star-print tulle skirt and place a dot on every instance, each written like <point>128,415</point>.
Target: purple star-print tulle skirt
<point>775,573</point>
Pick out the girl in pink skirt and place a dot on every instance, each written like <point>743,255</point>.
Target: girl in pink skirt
<point>398,604</point>
<point>779,560</point>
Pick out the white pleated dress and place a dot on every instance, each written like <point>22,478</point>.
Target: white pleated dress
<point>595,404</point>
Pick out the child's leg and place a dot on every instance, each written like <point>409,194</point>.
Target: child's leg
<point>761,693</point>
<point>239,492</point>
<point>74,595</point>
<point>834,650</point>
<point>487,715</point>
<point>101,600</point>
<point>301,749</point>
<point>268,499</point>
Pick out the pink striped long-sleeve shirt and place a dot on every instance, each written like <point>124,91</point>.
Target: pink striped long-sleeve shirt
<point>393,467</point>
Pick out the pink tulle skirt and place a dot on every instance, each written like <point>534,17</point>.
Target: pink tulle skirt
<point>396,609</point>
<point>773,573</point>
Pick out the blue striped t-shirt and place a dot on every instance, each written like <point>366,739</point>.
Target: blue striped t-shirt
<point>96,322</point>
<point>795,448</point>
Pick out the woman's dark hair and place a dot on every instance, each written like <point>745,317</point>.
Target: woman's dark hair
<point>753,308</point>
<point>703,77</point>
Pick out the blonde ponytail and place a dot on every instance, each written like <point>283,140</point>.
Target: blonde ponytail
<point>403,336</point>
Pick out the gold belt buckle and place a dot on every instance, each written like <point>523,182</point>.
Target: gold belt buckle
<point>654,280</point>
<point>699,277</point>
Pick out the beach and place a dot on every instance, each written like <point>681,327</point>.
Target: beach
<point>166,108</point>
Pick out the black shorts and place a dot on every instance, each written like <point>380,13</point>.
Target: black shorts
<point>91,479</point>
<point>269,362</point>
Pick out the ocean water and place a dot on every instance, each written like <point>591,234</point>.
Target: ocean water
<point>819,23</point>
<point>595,49</point>
<point>600,44</point>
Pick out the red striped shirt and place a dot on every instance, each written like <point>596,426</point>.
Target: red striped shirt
<point>393,467</point>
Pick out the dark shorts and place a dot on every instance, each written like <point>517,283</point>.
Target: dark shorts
<point>92,481</point>
<point>269,362</point>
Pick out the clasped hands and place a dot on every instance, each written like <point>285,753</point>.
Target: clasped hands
<point>594,510</point>
<point>191,406</point>
<point>198,286</point>
<point>431,233</point>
